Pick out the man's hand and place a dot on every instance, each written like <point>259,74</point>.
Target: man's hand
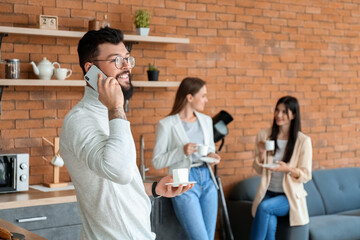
<point>111,95</point>
<point>168,190</point>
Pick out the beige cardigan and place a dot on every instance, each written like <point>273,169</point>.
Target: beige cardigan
<point>293,187</point>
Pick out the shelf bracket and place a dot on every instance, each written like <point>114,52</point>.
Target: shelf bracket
<point>129,45</point>
<point>1,37</point>
<point>1,92</point>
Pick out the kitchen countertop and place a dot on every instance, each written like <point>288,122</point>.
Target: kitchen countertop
<point>35,197</point>
<point>13,228</point>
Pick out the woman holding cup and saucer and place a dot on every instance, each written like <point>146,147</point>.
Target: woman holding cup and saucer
<point>283,157</point>
<point>183,138</point>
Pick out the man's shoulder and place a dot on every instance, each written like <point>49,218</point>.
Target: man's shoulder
<point>78,116</point>
<point>75,113</point>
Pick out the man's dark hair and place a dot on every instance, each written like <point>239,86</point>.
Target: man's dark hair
<point>88,45</point>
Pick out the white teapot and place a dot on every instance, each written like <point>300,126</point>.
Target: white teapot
<point>45,69</point>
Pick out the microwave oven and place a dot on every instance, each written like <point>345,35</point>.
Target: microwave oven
<point>14,172</point>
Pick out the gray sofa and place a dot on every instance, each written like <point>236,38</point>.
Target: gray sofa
<point>333,202</point>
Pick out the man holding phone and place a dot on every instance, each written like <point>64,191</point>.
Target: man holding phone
<point>98,148</point>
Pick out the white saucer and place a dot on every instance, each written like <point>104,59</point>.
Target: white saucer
<point>209,160</point>
<point>177,184</point>
<point>271,165</point>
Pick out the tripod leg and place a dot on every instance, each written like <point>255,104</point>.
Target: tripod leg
<point>225,221</point>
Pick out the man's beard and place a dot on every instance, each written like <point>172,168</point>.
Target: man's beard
<point>127,90</point>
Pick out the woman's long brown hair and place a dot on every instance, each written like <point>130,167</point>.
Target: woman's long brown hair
<point>291,104</point>
<point>187,86</point>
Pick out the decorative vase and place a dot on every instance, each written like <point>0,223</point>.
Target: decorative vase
<point>153,75</point>
<point>142,31</point>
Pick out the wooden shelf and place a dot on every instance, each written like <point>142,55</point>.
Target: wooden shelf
<point>129,39</point>
<point>77,34</point>
<point>78,83</point>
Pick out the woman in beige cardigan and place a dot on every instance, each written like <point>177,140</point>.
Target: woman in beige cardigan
<point>283,171</point>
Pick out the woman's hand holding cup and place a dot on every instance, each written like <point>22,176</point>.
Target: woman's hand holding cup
<point>264,147</point>
<point>190,148</point>
<point>262,151</point>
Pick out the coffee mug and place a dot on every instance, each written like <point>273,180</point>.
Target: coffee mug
<point>62,73</point>
<point>202,149</point>
<point>270,145</point>
<point>180,175</point>
<point>57,161</point>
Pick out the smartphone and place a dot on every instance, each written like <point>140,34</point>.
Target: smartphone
<point>91,76</point>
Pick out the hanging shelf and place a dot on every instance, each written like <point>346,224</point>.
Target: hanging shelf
<point>77,34</point>
<point>78,83</point>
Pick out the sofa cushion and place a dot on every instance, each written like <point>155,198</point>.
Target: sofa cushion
<point>313,200</point>
<point>339,188</point>
<point>334,227</point>
<point>355,212</point>
<point>245,190</point>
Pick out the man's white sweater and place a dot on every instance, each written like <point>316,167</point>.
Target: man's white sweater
<point>100,157</point>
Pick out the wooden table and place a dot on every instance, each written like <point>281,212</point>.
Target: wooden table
<point>13,228</point>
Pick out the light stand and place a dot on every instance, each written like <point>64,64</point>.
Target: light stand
<point>220,121</point>
<point>220,147</point>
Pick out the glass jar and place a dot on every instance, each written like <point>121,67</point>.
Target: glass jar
<point>12,68</point>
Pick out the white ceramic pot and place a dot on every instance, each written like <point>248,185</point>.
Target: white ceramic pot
<point>142,31</point>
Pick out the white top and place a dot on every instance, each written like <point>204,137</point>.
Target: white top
<point>100,157</point>
<point>194,132</point>
<point>276,180</point>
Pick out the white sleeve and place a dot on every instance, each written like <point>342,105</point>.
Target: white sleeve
<point>163,156</point>
<point>112,157</point>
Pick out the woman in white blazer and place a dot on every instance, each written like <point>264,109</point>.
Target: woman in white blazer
<point>281,190</point>
<point>177,138</point>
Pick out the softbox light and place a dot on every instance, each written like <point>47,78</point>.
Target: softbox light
<point>220,129</point>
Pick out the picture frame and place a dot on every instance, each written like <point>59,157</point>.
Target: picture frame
<point>48,22</point>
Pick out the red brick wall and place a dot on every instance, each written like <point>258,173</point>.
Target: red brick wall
<point>249,52</point>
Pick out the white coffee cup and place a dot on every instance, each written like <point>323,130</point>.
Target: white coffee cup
<point>62,73</point>
<point>202,149</point>
<point>57,161</point>
<point>270,145</point>
<point>180,175</point>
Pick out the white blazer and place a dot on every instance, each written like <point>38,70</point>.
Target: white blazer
<point>171,138</point>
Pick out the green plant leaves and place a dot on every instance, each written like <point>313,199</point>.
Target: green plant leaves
<point>142,18</point>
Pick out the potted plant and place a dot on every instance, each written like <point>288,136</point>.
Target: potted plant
<point>153,73</point>
<point>142,22</point>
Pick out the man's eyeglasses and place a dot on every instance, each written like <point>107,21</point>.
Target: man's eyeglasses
<point>119,61</point>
